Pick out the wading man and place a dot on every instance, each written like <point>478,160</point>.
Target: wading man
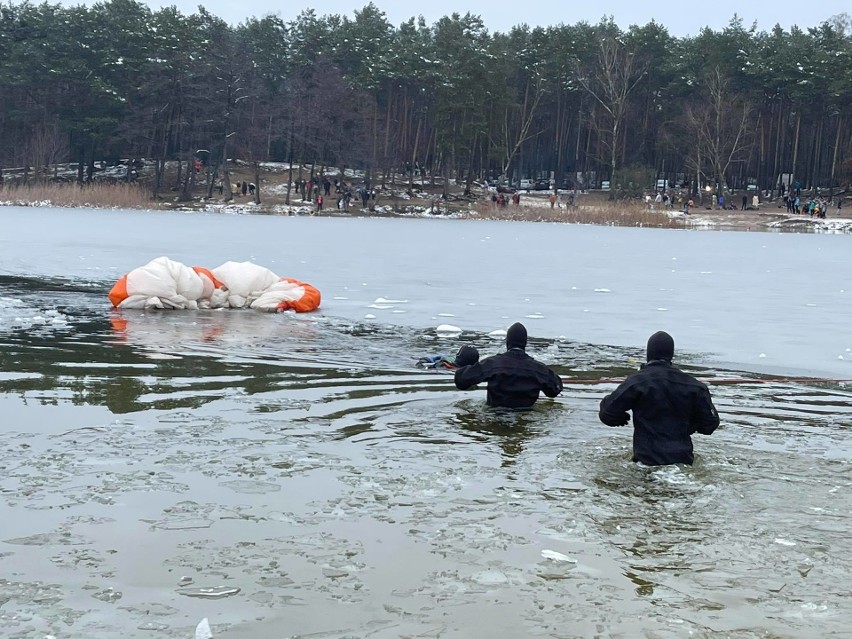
<point>514,378</point>
<point>465,356</point>
<point>668,407</point>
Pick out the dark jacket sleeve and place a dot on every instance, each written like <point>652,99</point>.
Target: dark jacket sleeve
<point>705,418</point>
<point>469,376</point>
<point>614,407</point>
<point>552,385</point>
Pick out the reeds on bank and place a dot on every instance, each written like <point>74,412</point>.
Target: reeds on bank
<point>96,195</point>
<point>608,214</point>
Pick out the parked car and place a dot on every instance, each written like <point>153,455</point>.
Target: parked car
<point>541,185</point>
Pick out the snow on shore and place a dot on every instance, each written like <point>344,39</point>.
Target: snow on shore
<point>824,225</point>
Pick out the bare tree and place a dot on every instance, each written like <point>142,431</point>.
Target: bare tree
<point>721,125</point>
<point>47,145</point>
<point>517,121</point>
<point>609,80</point>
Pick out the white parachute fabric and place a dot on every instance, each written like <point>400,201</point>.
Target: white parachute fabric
<point>283,290</point>
<point>245,282</point>
<point>163,283</point>
<point>166,284</point>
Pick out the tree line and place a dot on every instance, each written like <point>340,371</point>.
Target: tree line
<point>580,103</point>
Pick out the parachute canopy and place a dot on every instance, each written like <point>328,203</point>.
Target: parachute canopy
<point>165,283</point>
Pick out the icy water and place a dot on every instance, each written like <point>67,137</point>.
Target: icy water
<point>297,476</point>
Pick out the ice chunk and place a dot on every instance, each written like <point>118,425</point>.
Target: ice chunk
<point>214,592</point>
<point>202,630</point>
<point>557,556</point>
<point>445,329</point>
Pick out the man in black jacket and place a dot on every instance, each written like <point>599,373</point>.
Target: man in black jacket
<point>668,406</point>
<point>514,378</point>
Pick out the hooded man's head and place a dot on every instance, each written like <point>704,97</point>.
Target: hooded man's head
<point>466,356</point>
<point>660,346</point>
<point>516,336</point>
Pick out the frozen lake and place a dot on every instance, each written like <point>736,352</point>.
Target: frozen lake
<point>766,301</point>
<point>297,476</point>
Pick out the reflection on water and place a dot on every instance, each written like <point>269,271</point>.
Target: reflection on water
<point>508,429</point>
<point>298,476</point>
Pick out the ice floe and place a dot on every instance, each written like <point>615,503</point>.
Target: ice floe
<point>448,329</point>
<point>557,556</point>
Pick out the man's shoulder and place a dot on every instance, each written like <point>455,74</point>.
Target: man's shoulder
<point>512,358</point>
<point>683,377</point>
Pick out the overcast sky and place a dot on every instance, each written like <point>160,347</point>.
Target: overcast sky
<point>680,18</point>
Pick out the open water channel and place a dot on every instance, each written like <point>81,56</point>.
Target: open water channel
<point>297,476</point>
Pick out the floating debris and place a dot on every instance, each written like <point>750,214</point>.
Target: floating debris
<point>214,592</point>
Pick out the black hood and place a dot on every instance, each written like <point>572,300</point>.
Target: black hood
<point>466,356</point>
<point>660,346</point>
<point>516,336</point>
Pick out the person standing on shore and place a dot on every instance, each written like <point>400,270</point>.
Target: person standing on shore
<point>514,378</point>
<point>668,407</point>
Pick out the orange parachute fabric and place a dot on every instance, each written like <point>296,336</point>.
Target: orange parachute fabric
<point>118,293</point>
<point>205,272</point>
<point>309,301</point>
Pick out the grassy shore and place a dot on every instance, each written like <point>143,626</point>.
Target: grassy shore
<point>111,196</point>
<point>593,211</point>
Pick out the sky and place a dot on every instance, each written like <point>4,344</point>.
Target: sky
<point>681,19</point>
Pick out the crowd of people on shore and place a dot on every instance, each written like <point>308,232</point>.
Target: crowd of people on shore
<point>565,199</point>
<point>792,201</point>
<point>669,200</point>
<point>317,190</point>
<point>815,206</point>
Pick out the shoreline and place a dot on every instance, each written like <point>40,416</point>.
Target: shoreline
<point>395,201</point>
<point>705,219</point>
